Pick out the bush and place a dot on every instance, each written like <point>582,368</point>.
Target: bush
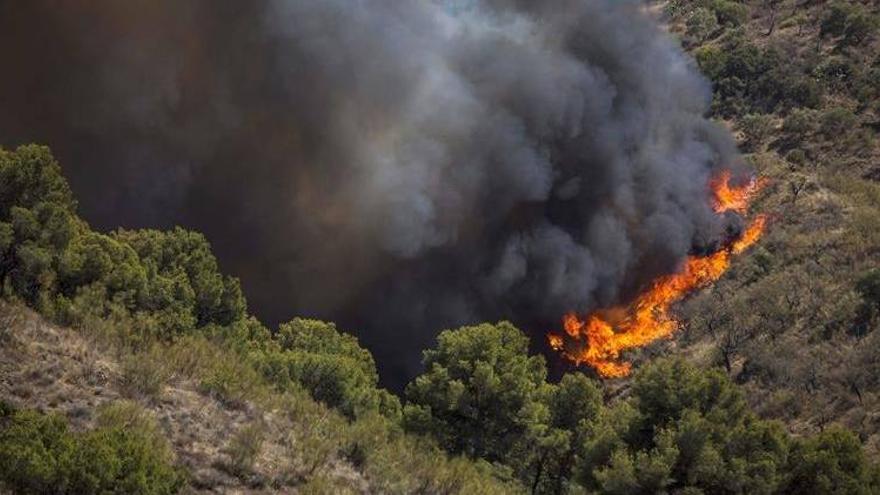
<point>731,14</point>
<point>685,429</point>
<point>798,125</point>
<point>36,452</point>
<point>837,122</point>
<point>244,447</point>
<point>125,454</point>
<point>868,312</point>
<point>838,73</point>
<point>231,381</point>
<point>312,443</point>
<point>712,60</point>
<point>831,462</point>
<point>181,267</point>
<point>331,365</point>
<point>701,24</point>
<point>144,374</point>
<point>852,22</point>
<point>756,129</point>
<point>796,157</point>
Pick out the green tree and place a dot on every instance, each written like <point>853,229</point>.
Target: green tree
<point>832,462</point>
<point>37,211</point>
<point>331,365</point>
<point>756,130</point>
<point>481,394</point>
<point>701,24</point>
<point>180,266</point>
<point>576,402</point>
<point>685,429</point>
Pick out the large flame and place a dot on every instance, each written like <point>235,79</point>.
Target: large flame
<point>598,339</point>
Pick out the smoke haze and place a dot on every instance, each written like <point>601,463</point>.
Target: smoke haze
<point>398,167</point>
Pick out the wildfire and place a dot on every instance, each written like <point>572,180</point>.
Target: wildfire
<point>598,339</point>
<point>732,198</point>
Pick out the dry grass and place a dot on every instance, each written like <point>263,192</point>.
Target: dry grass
<point>240,449</point>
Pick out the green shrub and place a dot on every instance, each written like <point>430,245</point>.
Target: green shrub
<point>837,122</point>
<point>312,444</point>
<point>849,21</point>
<point>712,60</point>
<point>730,13</point>
<point>798,125</point>
<point>868,312</point>
<point>231,381</point>
<point>331,365</point>
<point>125,454</point>
<point>36,452</point>
<point>831,462</point>
<point>756,130</point>
<point>144,374</point>
<point>180,263</point>
<point>244,447</point>
<point>797,157</point>
<point>701,24</point>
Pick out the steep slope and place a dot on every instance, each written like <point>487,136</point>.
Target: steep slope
<point>796,322</point>
<point>50,368</point>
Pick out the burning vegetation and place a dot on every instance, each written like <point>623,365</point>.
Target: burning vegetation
<point>598,338</point>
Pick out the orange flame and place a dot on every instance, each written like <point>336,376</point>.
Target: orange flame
<point>731,198</point>
<point>599,338</point>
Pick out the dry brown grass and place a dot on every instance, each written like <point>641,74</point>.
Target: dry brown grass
<point>49,368</point>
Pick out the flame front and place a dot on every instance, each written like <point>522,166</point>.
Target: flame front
<point>732,198</point>
<point>598,339</point>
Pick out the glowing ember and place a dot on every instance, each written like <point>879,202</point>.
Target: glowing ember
<point>598,339</point>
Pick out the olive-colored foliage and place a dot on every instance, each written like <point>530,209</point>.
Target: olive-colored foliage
<point>701,24</point>
<point>125,454</point>
<point>751,79</point>
<point>832,462</point>
<point>181,268</point>
<point>684,429</point>
<point>728,13</point>
<point>868,312</point>
<point>331,365</point>
<point>37,221</point>
<point>244,448</point>
<point>482,394</point>
<point>851,22</point>
<point>36,451</point>
<point>756,129</point>
<point>168,282</point>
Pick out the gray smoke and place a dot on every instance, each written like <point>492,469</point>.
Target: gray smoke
<point>396,166</point>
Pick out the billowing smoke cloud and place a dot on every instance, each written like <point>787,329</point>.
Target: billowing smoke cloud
<point>396,166</point>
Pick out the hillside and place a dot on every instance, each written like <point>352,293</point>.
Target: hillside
<point>158,381</point>
<point>795,323</point>
<point>247,447</point>
<point>131,363</point>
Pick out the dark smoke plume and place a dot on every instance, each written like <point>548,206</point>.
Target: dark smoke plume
<point>398,166</point>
